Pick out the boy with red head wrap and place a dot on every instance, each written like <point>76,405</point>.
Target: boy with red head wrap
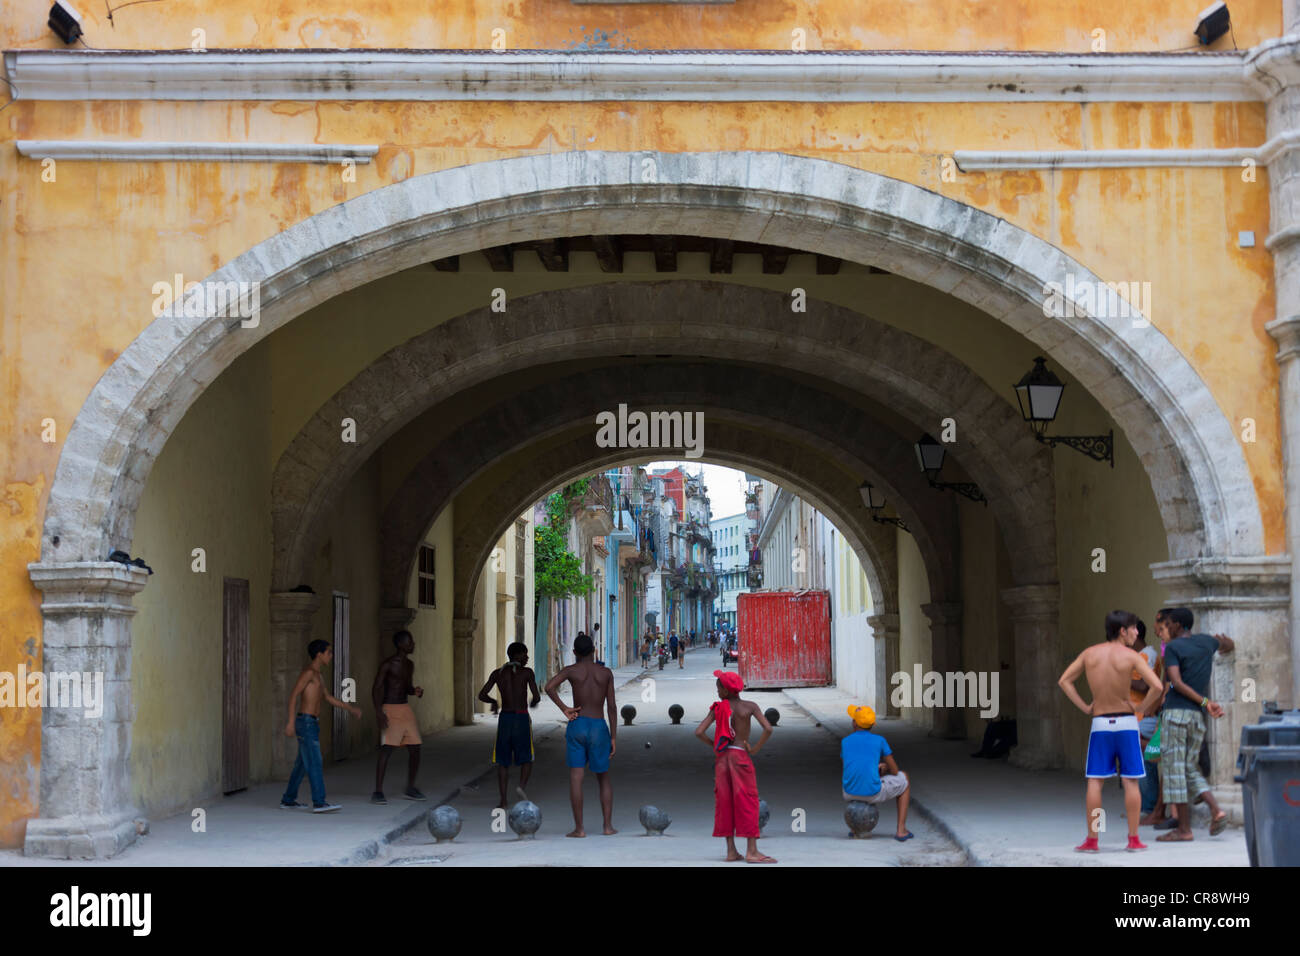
<point>735,786</point>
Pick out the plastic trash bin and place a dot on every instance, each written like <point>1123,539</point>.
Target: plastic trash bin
<point>1269,773</point>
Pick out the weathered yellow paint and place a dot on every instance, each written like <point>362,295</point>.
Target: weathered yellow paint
<point>559,24</point>
<point>78,257</point>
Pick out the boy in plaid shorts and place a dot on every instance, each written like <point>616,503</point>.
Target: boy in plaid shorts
<point>1189,660</point>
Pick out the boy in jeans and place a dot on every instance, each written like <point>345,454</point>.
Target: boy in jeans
<point>305,725</point>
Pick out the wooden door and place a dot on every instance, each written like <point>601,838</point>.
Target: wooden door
<point>234,686</point>
<point>342,669</point>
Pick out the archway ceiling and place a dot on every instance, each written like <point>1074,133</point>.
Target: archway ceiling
<point>723,323</point>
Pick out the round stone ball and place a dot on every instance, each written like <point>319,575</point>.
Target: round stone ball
<point>764,813</point>
<point>773,716</point>
<point>654,820</point>
<point>861,818</point>
<point>444,822</point>
<point>525,818</point>
<point>628,713</point>
<point>676,712</point>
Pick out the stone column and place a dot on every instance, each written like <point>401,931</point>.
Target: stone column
<point>291,614</point>
<point>1249,600</point>
<point>945,657</point>
<point>885,631</point>
<point>1286,332</point>
<point>1036,623</point>
<point>1274,69</point>
<point>86,801</point>
<point>462,667</point>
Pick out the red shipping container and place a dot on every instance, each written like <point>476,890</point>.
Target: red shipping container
<point>785,638</point>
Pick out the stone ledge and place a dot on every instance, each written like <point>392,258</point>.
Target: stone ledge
<point>83,838</point>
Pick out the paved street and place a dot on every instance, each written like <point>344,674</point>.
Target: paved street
<point>799,768</point>
<point>990,812</point>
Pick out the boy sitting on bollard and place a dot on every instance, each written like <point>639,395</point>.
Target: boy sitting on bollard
<point>866,757</point>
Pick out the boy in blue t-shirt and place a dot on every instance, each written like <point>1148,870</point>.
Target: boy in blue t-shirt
<point>865,755</point>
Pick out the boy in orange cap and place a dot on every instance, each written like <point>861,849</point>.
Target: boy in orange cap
<point>735,786</point>
<point>866,756</point>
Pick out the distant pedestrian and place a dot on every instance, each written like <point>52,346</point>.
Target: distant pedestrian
<point>1189,661</point>
<point>673,642</point>
<point>870,772</point>
<point>1114,738</point>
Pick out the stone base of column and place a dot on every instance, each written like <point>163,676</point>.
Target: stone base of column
<point>463,669</point>
<point>83,838</point>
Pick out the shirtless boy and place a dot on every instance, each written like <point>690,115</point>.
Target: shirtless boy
<point>735,786</point>
<point>590,738</point>
<point>305,725</point>
<point>1109,667</point>
<point>397,722</point>
<point>515,679</point>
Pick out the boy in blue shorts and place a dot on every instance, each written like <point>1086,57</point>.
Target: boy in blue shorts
<point>590,738</point>
<point>1114,740</point>
<point>514,727</point>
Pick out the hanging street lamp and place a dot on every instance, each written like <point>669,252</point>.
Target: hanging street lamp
<point>930,455</point>
<point>1039,394</point>
<point>875,502</point>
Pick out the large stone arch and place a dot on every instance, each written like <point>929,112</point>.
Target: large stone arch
<point>724,323</point>
<point>1203,485</point>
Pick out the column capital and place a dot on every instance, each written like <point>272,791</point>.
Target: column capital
<point>1033,601</point>
<point>293,607</point>
<point>462,628</point>
<point>395,618</point>
<point>943,612</point>
<point>882,623</point>
<point>1286,333</point>
<point>1236,582</point>
<point>87,587</point>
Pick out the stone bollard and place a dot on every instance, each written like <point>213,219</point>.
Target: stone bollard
<point>444,823</point>
<point>628,713</point>
<point>654,820</point>
<point>773,716</point>
<point>676,713</point>
<point>861,818</point>
<point>525,818</point>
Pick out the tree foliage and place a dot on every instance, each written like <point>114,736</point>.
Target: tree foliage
<point>558,571</point>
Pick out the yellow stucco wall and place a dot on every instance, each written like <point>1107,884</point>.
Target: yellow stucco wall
<point>432,630</point>
<point>561,24</point>
<point>913,625</point>
<point>209,489</point>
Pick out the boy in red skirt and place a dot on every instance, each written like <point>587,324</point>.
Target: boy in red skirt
<point>735,787</point>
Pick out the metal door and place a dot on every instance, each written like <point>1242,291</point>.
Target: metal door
<point>234,685</point>
<point>342,670</point>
